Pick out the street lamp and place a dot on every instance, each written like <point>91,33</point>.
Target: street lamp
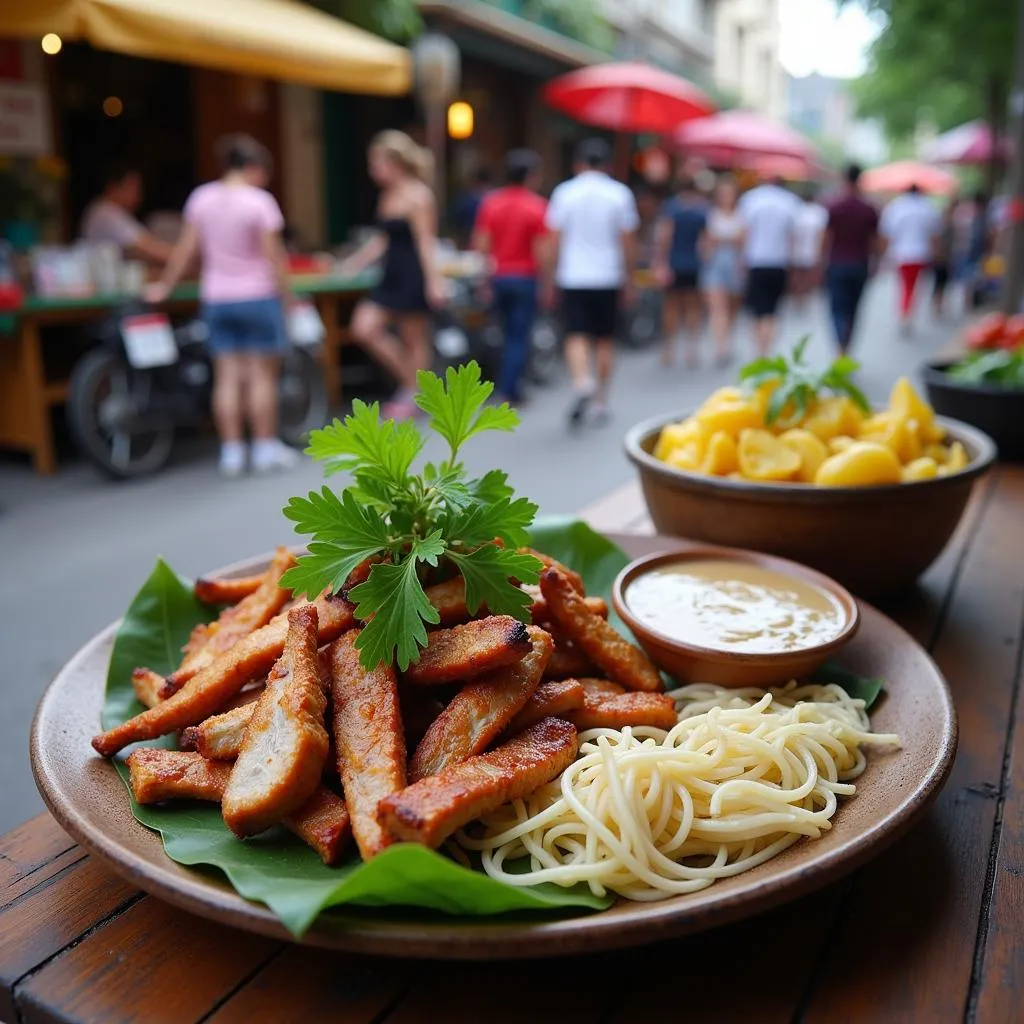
<point>437,68</point>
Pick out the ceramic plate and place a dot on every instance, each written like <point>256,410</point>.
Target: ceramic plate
<point>88,798</point>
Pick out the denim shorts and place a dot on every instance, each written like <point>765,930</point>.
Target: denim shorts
<point>254,326</point>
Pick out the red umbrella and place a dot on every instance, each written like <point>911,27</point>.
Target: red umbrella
<point>735,135</point>
<point>627,97</point>
<point>899,176</point>
<point>969,143</point>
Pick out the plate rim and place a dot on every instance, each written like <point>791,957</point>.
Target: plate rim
<point>492,938</point>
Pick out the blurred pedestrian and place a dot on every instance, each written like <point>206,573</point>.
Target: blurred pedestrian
<point>593,222</point>
<point>722,273</point>
<point>909,226</point>
<point>411,284</point>
<point>681,224</point>
<point>235,224</point>
<point>769,215</point>
<point>510,228</point>
<point>467,203</point>
<point>945,254</point>
<point>808,229</point>
<point>849,246</point>
<point>110,217</point>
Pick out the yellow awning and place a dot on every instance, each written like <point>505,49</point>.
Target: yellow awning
<point>280,39</point>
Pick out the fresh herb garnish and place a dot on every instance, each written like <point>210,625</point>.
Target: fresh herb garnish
<point>1004,367</point>
<point>799,385</point>
<point>410,522</point>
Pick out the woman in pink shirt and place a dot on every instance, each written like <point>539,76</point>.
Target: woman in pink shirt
<point>235,225</point>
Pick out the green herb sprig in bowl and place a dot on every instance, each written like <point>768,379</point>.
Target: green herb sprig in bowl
<point>799,385</point>
<point>411,521</point>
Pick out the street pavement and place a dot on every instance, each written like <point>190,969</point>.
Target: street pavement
<point>75,547</point>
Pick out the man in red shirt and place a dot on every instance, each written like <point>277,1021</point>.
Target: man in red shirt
<point>510,228</point>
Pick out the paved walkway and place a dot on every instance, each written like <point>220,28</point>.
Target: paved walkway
<point>76,547</point>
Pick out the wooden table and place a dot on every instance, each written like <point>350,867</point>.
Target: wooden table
<point>931,931</point>
<point>28,390</point>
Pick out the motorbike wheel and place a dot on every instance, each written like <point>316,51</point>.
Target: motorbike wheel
<point>302,395</point>
<point>104,396</point>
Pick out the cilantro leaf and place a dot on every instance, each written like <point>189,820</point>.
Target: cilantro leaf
<point>456,405</point>
<point>412,518</point>
<point>488,572</point>
<point>364,439</point>
<point>507,520</point>
<point>395,607</point>
<point>492,486</point>
<point>347,532</point>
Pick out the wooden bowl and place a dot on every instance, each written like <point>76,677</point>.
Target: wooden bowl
<point>690,663</point>
<point>873,540</point>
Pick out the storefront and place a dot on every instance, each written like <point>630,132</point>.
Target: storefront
<point>155,82</point>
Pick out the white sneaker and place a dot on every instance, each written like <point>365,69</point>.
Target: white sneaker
<point>271,455</point>
<point>232,460</point>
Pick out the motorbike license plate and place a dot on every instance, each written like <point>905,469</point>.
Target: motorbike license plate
<point>149,341</point>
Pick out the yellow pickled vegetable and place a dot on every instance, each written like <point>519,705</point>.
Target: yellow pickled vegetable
<point>726,394</point>
<point>957,458</point>
<point>923,468</point>
<point>840,444</point>
<point>763,456</point>
<point>720,457</point>
<point>863,464</point>
<point>894,429</point>
<point>831,417</point>
<point>683,458</point>
<point>677,435</point>
<point>731,415</point>
<point>938,452</point>
<point>812,451</point>
<point>906,402</point>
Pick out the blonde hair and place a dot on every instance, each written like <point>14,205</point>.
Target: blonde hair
<point>412,158</point>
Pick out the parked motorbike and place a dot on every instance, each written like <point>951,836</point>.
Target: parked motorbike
<point>144,381</point>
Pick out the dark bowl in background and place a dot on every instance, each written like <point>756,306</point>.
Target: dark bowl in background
<point>873,540</point>
<point>996,410</point>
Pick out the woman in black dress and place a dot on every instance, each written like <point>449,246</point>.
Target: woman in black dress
<point>410,285</point>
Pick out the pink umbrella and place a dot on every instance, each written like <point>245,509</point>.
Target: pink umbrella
<point>627,97</point>
<point>969,143</point>
<point>733,136</point>
<point>899,176</point>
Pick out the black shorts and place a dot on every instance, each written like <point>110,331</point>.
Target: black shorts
<point>591,311</point>
<point>684,280</point>
<point>765,288</point>
<point>941,271</point>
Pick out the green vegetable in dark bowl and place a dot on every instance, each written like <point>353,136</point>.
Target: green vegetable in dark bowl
<point>998,366</point>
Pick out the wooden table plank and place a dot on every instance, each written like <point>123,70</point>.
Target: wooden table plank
<point>153,964</point>
<point>905,947</point>
<point>28,848</point>
<point>302,986</point>
<point>43,921</point>
<point>1001,964</point>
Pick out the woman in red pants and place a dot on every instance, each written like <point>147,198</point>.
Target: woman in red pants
<point>910,226</point>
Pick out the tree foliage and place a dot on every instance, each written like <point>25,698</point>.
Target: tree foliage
<point>943,61</point>
<point>394,19</point>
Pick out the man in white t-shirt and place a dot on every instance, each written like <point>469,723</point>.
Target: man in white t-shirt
<point>808,229</point>
<point>110,217</point>
<point>910,226</point>
<point>769,216</point>
<point>593,223</point>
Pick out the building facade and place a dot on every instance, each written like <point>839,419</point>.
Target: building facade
<point>824,109</point>
<point>677,35</point>
<point>746,48</point>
